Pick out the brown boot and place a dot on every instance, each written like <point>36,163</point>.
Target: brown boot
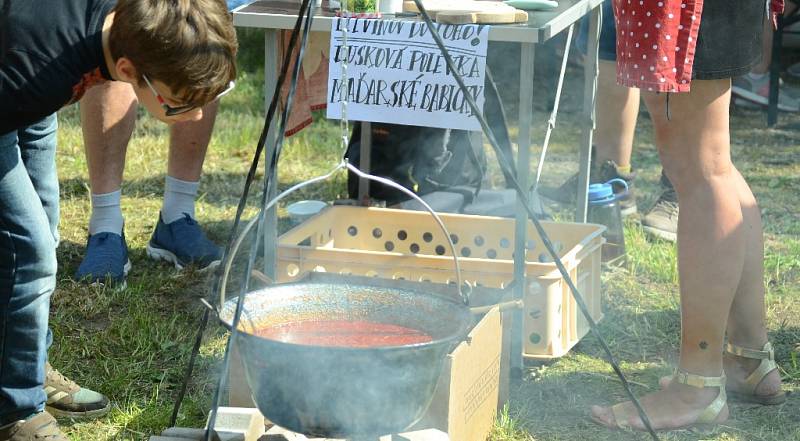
<point>40,427</point>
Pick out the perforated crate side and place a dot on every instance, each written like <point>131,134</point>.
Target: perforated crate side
<point>352,240</point>
<point>484,238</point>
<point>588,283</point>
<point>543,324</point>
<point>541,339</point>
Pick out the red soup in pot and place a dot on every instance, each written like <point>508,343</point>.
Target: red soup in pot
<point>344,333</point>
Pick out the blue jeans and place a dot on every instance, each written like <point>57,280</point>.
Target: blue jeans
<point>28,239</point>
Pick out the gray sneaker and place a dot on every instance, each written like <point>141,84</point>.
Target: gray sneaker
<point>65,399</point>
<point>39,427</point>
<point>745,88</point>
<point>662,220</point>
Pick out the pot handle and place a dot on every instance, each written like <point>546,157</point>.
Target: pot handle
<point>504,306</point>
<point>463,288</point>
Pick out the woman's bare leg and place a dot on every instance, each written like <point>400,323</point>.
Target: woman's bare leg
<point>746,323</point>
<point>694,145</point>
<point>617,111</point>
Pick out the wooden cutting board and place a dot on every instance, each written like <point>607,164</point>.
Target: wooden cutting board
<point>469,11</point>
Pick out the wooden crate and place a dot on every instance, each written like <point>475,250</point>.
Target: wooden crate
<point>408,245</point>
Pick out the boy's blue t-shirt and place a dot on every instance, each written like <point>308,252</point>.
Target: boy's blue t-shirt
<point>51,51</point>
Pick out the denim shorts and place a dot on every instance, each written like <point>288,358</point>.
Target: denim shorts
<point>730,38</point>
<point>728,43</point>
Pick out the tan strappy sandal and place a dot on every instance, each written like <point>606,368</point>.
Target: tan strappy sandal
<point>767,357</point>
<point>705,423</point>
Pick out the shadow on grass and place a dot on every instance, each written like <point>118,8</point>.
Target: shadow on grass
<point>135,344</point>
<point>221,189</point>
<point>552,401</point>
<point>557,407</point>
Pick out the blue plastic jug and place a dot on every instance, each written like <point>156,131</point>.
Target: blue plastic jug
<point>604,210</point>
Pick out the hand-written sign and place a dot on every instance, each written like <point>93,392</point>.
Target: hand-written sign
<point>397,74</point>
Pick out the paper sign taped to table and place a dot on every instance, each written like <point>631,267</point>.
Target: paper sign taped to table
<point>397,74</point>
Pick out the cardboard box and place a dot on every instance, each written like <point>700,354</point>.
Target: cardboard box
<point>465,402</point>
<point>238,390</point>
<point>466,399</point>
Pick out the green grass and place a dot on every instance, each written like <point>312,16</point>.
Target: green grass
<point>133,345</point>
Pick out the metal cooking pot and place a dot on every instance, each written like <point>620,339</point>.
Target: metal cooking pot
<point>329,391</point>
<point>326,391</point>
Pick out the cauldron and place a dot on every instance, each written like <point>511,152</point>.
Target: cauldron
<point>334,391</point>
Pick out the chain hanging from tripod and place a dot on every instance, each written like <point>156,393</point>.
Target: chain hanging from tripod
<point>344,125</point>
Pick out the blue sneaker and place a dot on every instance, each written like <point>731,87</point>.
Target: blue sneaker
<point>183,243</point>
<point>106,260</point>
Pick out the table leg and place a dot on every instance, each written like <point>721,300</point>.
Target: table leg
<point>589,89</point>
<point>774,71</point>
<point>268,227</point>
<point>364,162</point>
<point>527,52</point>
<point>476,143</point>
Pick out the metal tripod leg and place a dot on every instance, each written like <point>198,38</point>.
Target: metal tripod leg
<point>527,52</point>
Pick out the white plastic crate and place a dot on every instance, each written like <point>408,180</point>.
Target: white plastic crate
<point>409,245</point>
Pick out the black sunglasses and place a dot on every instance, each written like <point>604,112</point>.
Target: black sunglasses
<point>177,110</point>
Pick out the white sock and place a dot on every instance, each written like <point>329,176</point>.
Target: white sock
<point>756,76</point>
<point>179,197</point>
<point>106,214</point>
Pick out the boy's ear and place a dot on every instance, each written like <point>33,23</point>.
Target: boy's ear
<point>126,71</point>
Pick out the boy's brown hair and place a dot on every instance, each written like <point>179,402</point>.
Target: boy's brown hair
<point>189,45</point>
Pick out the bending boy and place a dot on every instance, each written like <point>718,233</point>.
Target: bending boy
<point>108,116</point>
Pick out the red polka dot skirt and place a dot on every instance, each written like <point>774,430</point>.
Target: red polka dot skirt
<point>656,42</point>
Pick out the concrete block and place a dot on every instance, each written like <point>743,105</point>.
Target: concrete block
<point>179,438</point>
<point>276,433</point>
<point>247,422</point>
<point>232,424</point>
<point>184,434</point>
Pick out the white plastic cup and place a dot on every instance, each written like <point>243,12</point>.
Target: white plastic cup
<point>303,210</point>
<point>390,6</point>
